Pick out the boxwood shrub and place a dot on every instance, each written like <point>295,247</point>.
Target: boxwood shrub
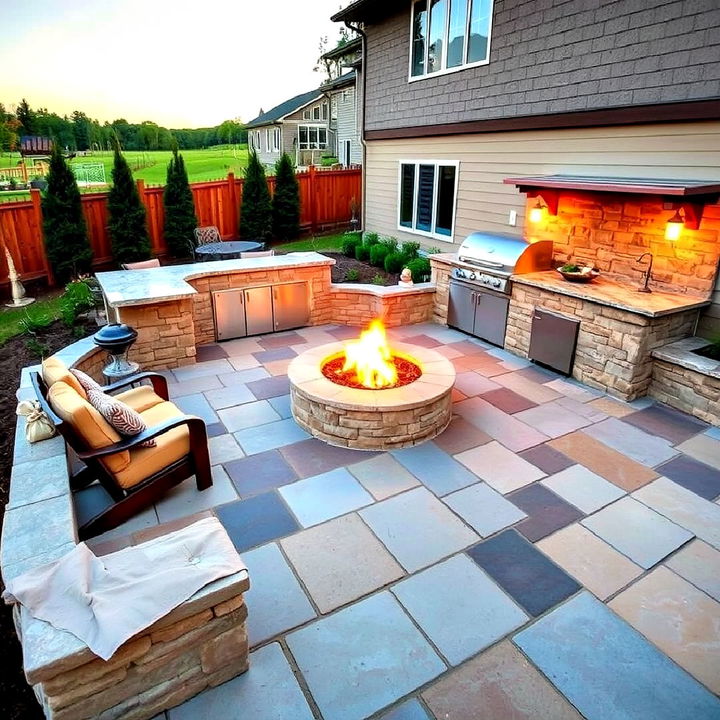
<point>394,262</point>
<point>362,252</point>
<point>349,243</point>
<point>420,269</point>
<point>378,253</point>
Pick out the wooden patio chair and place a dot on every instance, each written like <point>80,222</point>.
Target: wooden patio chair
<point>130,477</point>
<point>256,253</point>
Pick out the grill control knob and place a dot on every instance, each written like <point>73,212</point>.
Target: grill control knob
<point>472,275</point>
<point>496,283</point>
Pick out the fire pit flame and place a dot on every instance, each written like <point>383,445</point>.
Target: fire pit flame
<point>370,358</point>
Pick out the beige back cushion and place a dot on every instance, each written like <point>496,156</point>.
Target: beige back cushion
<point>54,370</point>
<point>87,423</point>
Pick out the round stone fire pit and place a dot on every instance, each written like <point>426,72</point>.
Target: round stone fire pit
<point>366,419</point>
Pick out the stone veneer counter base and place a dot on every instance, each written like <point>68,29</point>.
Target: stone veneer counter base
<point>372,419</point>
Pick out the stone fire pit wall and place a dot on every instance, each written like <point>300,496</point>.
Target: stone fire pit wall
<point>201,643</point>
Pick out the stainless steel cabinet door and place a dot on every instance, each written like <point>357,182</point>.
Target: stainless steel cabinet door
<point>290,306</point>
<point>491,318</point>
<point>229,308</point>
<point>258,310</point>
<point>553,339</point>
<point>461,307</point>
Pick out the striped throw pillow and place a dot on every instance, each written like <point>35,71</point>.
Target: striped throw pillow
<point>121,416</point>
<point>85,380</point>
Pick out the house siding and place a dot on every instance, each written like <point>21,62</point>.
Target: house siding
<point>347,124</point>
<point>683,151</point>
<point>552,56</point>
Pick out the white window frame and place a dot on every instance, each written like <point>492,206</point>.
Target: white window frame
<point>307,114</point>
<point>256,140</point>
<point>319,126</point>
<point>446,70</point>
<point>316,109</point>
<point>275,136</point>
<point>267,139</point>
<point>438,164</point>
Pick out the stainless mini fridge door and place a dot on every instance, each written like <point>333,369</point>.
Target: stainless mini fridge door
<point>290,306</point>
<point>461,307</point>
<point>229,308</point>
<point>258,310</point>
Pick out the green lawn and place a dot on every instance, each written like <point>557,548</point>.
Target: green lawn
<point>330,243</point>
<point>11,318</point>
<point>151,166</point>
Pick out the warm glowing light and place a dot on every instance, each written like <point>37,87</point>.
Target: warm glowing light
<point>369,357</point>
<point>674,226</point>
<point>536,214</point>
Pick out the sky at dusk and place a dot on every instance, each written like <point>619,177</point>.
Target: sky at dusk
<point>178,63</point>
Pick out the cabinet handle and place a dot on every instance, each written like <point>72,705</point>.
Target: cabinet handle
<point>537,317</point>
<point>473,297</point>
<point>247,298</point>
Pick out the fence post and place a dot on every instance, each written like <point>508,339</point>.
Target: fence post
<point>36,199</point>
<point>311,195</point>
<point>231,214</point>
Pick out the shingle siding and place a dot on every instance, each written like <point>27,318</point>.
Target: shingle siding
<point>550,56</point>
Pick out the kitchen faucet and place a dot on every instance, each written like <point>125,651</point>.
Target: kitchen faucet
<point>646,273</point>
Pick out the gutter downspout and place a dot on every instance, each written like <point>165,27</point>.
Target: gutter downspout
<point>362,34</point>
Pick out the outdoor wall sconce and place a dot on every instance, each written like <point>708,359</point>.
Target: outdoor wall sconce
<point>536,213</point>
<point>674,226</point>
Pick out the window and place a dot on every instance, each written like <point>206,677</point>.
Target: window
<point>312,137</point>
<point>316,112</point>
<point>267,139</point>
<point>427,190</point>
<point>324,111</point>
<point>306,114</point>
<point>448,35</point>
<point>275,138</point>
<point>255,140</point>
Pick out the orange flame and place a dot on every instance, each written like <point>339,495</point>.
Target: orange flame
<point>370,358</point>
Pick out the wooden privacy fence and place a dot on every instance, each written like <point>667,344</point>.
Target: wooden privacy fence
<point>325,198</point>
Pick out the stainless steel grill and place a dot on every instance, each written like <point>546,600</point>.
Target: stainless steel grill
<point>493,257</point>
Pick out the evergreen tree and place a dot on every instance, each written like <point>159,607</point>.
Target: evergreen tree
<point>180,218</point>
<point>286,201</point>
<point>66,242</point>
<point>255,211</point>
<point>127,226</point>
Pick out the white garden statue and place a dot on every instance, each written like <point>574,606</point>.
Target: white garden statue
<point>16,287</point>
<point>405,278</point>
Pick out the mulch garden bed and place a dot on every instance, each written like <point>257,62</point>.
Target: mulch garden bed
<point>17,700</point>
<point>366,272</point>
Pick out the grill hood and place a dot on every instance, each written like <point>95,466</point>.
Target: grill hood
<point>505,254</point>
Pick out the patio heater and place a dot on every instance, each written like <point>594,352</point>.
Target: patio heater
<point>116,339</point>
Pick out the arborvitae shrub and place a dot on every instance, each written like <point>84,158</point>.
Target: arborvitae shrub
<point>256,210</point>
<point>126,215</point>
<point>391,243</point>
<point>180,218</point>
<point>362,252</point>
<point>349,243</point>
<point>285,201</point>
<point>394,262</point>
<point>370,239</point>
<point>378,253</point>
<point>66,242</point>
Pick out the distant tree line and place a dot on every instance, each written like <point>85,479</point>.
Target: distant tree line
<point>79,132</point>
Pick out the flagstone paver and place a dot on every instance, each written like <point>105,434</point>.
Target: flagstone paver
<point>417,528</point>
<point>321,497</point>
<point>498,685</point>
<point>547,512</point>
<point>642,534</point>
<point>484,509</point>
<point>435,468</point>
<point>363,658</point>
<point>583,488</point>
<point>383,476</point>
<point>411,523</point>
<point>197,404</point>
<point>259,473</point>
<point>340,561</point>
<point>678,618</point>
<point>699,563</point>
<point>607,669</point>
<point>523,571</point>
<point>459,607</point>
<point>276,601</point>
<point>270,692</point>
<point>590,560</point>
<point>499,467</point>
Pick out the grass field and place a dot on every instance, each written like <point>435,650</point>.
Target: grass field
<point>151,166</point>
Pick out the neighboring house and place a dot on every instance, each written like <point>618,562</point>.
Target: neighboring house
<point>299,126</point>
<point>461,94</point>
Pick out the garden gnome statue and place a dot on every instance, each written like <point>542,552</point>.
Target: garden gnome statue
<point>16,287</point>
<point>405,278</point>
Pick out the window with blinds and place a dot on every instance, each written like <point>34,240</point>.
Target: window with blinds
<point>427,197</point>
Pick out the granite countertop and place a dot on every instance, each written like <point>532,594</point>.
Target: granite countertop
<point>140,287</point>
<point>608,292</point>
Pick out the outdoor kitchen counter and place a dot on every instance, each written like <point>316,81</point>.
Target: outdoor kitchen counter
<point>613,294</point>
<point>141,287</point>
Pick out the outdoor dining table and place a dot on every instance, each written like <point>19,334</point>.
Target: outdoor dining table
<point>226,250</point>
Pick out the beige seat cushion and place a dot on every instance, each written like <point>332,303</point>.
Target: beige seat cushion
<point>140,398</point>
<point>55,370</point>
<point>170,446</point>
<point>142,264</point>
<point>94,431</point>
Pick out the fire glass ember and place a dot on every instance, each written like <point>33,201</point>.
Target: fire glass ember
<point>369,363</point>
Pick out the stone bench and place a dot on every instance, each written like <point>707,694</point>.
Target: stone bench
<point>201,643</point>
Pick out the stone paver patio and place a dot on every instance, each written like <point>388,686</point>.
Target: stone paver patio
<point>554,554</point>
